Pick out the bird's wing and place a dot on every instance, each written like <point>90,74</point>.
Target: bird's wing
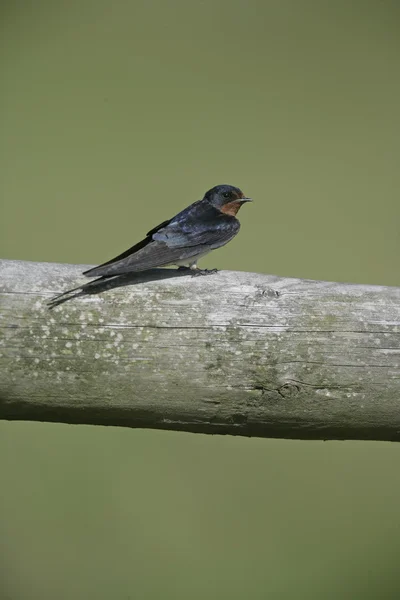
<point>174,242</point>
<point>132,250</point>
<point>188,234</point>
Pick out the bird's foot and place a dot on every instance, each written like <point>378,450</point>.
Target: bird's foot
<point>197,272</point>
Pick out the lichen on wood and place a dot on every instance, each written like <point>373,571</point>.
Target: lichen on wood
<point>236,353</point>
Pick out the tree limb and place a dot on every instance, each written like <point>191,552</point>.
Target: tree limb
<point>236,353</point>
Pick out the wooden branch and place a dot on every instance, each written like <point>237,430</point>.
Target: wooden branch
<point>236,353</point>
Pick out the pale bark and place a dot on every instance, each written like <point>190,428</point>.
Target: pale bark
<point>237,353</point>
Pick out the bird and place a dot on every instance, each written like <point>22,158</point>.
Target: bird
<point>203,226</point>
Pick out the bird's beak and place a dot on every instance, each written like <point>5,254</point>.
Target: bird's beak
<point>246,200</point>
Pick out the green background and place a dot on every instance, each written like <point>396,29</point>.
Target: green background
<point>116,115</point>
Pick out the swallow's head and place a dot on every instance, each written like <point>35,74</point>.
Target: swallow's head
<point>226,198</point>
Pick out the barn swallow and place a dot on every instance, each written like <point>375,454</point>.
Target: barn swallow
<point>201,227</point>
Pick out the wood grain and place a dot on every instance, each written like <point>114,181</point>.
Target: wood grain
<point>230,353</point>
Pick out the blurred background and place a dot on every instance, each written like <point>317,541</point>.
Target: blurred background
<point>115,116</point>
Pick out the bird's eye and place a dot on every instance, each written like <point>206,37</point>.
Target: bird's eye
<point>226,194</point>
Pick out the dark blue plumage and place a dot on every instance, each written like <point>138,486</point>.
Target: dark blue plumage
<point>201,227</point>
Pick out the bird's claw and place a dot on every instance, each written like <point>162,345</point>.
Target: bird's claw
<point>197,272</point>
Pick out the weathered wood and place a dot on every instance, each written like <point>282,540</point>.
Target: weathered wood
<point>236,353</point>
